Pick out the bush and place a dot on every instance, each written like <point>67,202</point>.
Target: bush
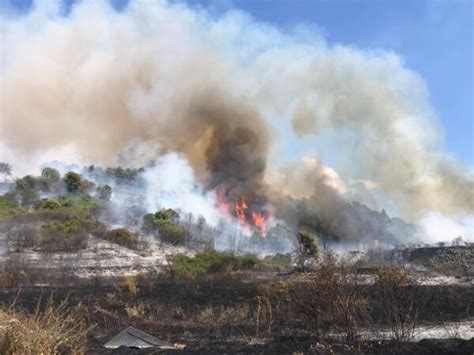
<point>331,300</point>
<point>86,186</point>
<point>72,181</point>
<point>122,236</point>
<point>75,206</point>
<point>400,299</point>
<point>165,223</point>
<point>50,204</point>
<point>28,197</point>
<point>171,233</point>
<point>128,286</point>
<point>122,175</point>
<point>51,175</point>
<point>11,277</point>
<point>308,247</point>
<point>212,262</point>
<point>66,236</point>
<point>455,261</point>
<point>9,207</point>
<point>25,183</point>
<point>104,192</point>
<point>54,330</point>
<point>22,237</point>
<point>50,178</point>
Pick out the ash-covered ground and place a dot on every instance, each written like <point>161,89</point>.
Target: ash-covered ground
<point>89,248</point>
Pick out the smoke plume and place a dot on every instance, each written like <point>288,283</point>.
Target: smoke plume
<point>230,94</point>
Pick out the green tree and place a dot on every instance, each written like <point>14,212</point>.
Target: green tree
<point>5,169</point>
<point>308,247</point>
<point>72,181</point>
<point>164,223</point>
<point>25,183</point>
<point>51,175</point>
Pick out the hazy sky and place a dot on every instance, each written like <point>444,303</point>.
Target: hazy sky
<point>435,38</point>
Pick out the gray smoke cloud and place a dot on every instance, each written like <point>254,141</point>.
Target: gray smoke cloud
<point>227,92</point>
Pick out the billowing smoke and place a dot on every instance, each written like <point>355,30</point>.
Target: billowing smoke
<point>243,101</point>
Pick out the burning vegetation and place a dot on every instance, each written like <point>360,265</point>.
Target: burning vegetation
<point>212,218</point>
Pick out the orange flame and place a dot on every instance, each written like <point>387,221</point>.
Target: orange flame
<point>260,222</point>
<point>240,210</point>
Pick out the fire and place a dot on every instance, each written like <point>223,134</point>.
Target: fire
<point>240,210</point>
<point>260,222</point>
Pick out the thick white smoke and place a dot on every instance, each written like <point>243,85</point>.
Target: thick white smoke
<point>171,183</point>
<point>97,79</point>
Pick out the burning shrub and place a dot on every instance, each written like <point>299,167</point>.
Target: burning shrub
<point>123,237</point>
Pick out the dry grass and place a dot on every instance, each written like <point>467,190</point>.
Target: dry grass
<point>55,329</point>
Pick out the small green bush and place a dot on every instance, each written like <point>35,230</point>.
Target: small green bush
<point>123,237</point>
<point>50,204</point>
<point>213,262</point>
<point>171,233</point>
<point>66,236</point>
<point>81,206</point>
<point>104,192</point>
<point>9,207</point>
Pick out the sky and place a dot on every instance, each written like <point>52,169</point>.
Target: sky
<point>435,39</point>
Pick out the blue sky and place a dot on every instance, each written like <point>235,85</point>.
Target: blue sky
<point>435,38</point>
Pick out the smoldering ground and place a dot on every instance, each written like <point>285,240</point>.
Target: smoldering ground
<point>229,93</point>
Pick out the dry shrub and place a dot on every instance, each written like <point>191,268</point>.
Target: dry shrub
<point>127,286</point>
<point>56,329</point>
<point>331,300</point>
<point>10,278</point>
<point>263,316</point>
<point>223,321</point>
<point>400,299</point>
<point>136,311</point>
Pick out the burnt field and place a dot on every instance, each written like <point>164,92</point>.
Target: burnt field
<point>327,310</point>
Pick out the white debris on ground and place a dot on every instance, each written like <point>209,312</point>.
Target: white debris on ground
<point>101,258</point>
<point>448,330</point>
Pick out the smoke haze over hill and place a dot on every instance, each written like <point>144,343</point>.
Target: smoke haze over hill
<point>228,94</point>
